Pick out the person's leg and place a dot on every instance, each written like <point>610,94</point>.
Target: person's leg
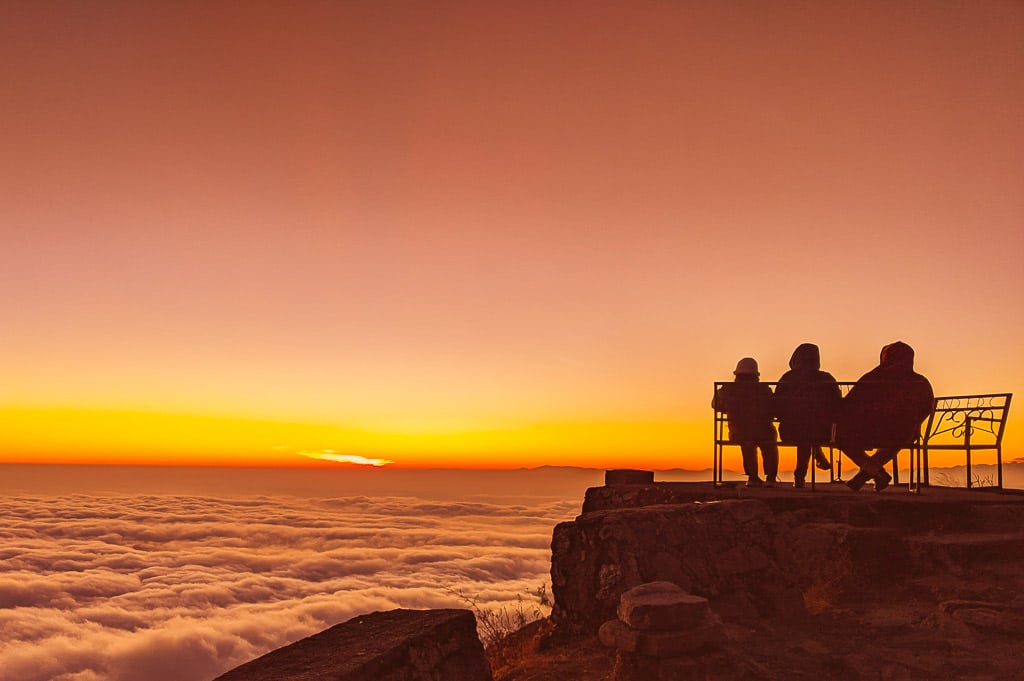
<point>857,454</point>
<point>803,457</point>
<point>868,468</point>
<point>820,460</point>
<point>884,455</point>
<point>749,452</point>
<point>770,454</point>
<point>881,458</point>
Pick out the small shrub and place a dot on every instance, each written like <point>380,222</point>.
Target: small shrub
<point>945,479</point>
<point>495,626</point>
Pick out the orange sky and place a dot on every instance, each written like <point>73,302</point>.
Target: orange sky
<point>499,234</point>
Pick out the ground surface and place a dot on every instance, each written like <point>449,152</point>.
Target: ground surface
<point>536,654</point>
<point>959,615</point>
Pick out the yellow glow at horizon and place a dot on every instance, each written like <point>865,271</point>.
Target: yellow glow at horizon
<point>70,435</point>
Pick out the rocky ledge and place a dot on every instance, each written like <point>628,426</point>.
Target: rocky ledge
<point>398,645</point>
<point>807,585</point>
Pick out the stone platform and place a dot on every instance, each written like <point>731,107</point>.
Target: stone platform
<point>616,496</point>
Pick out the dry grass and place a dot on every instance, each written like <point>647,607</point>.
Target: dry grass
<point>500,629</point>
<point>825,593</point>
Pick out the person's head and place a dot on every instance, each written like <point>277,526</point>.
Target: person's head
<point>806,356</point>
<point>746,369</point>
<point>897,355</point>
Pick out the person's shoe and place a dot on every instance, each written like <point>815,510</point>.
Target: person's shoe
<point>771,482</point>
<point>798,483</point>
<point>857,481</point>
<point>754,481</point>
<point>882,481</point>
<point>822,462</point>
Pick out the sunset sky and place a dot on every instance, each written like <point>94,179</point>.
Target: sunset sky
<point>491,234</point>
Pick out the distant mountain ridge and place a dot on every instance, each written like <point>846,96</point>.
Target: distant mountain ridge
<point>565,482</point>
<point>950,476</point>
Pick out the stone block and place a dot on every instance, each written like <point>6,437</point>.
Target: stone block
<point>628,476</point>
<point>676,643</point>
<point>619,635</point>
<point>661,606</point>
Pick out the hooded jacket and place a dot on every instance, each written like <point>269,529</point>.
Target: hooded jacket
<point>806,398</point>
<point>888,404</point>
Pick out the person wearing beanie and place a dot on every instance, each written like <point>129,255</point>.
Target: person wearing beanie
<point>749,405</point>
<point>883,411</point>
<point>807,400</point>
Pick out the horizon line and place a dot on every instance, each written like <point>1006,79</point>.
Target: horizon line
<point>327,465</point>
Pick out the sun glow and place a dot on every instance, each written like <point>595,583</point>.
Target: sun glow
<point>331,455</point>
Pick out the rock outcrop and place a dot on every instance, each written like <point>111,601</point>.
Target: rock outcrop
<point>398,645</point>
<point>826,584</point>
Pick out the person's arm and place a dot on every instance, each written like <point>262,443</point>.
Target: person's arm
<point>835,395</point>
<point>924,400</point>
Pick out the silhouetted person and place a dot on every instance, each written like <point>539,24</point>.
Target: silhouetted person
<point>749,405</point>
<point>806,401</point>
<point>884,410</point>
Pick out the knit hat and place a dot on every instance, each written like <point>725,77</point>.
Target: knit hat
<point>747,365</point>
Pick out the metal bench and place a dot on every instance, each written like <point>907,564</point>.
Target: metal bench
<point>967,423</point>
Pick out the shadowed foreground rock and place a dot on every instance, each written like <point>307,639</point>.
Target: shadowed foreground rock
<point>398,645</point>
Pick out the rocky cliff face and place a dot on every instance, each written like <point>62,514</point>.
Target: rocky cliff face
<point>809,585</point>
<point>398,645</point>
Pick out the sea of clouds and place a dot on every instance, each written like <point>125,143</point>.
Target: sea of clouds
<point>155,587</point>
<point>161,574</point>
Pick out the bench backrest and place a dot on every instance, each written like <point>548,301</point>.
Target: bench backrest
<point>967,422</point>
<point>956,422</point>
<point>722,419</point>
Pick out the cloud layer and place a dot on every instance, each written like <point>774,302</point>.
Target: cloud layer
<point>164,587</point>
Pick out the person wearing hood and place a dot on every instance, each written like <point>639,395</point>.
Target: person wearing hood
<point>883,411</point>
<point>749,405</point>
<point>807,400</point>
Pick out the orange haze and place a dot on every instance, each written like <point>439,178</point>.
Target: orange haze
<point>463,233</point>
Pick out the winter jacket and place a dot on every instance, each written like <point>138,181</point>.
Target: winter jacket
<point>888,404</point>
<point>806,398</point>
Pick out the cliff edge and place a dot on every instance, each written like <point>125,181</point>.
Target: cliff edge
<point>809,585</point>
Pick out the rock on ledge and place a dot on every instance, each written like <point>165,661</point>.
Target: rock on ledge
<point>398,645</point>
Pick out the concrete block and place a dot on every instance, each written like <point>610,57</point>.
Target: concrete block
<point>659,606</point>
